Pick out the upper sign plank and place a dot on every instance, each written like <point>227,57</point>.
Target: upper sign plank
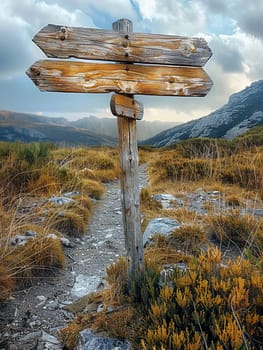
<point>99,44</point>
<point>72,76</point>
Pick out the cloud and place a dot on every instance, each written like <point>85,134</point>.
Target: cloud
<point>232,28</point>
<point>227,53</point>
<point>248,15</point>
<point>103,13</point>
<point>19,21</point>
<point>172,17</point>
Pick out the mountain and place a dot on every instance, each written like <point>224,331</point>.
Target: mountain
<point>243,111</point>
<point>108,126</point>
<point>30,128</point>
<point>91,131</point>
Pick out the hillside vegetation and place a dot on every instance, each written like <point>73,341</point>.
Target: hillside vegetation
<point>46,195</point>
<point>202,287</point>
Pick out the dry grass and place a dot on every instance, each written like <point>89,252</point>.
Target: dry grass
<point>31,174</point>
<point>241,231</point>
<point>92,188</point>
<point>101,164</point>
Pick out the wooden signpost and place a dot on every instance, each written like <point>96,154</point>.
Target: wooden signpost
<point>169,65</point>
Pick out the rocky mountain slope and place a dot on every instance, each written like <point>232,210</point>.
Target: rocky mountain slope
<point>243,111</point>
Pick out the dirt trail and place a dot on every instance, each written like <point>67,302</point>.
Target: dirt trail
<point>34,315</point>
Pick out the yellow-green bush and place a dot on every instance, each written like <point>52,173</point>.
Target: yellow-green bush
<point>210,304</point>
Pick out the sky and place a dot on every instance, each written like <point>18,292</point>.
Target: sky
<point>232,28</point>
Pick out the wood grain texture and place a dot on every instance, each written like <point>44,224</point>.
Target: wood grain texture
<point>72,76</point>
<point>130,195</point>
<point>126,106</point>
<point>129,179</point>
<point>99,44</point>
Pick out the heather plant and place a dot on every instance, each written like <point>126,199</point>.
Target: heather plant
<point>210,304</point>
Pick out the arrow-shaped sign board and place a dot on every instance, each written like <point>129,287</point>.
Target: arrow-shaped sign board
<point>99,44</point>
<point>72,76</point>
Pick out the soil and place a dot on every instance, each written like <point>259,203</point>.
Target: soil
<point>32,316</point>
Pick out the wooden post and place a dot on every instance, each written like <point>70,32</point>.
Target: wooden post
<point>130,196</point>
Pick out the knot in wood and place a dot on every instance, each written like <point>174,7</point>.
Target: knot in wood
<point>63,33</point>
<point>171,79</point>
<point>125,43</point>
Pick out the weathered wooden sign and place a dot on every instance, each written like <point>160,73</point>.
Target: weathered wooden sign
<point>64,76</point>
<point>169,65</point>
<point>99,44</point>
<point>126,106</point>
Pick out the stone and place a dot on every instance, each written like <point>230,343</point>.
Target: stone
<point>30,233</point>
<point>52,236</point>
<point>61,200</point>
<point>88,340</point>
<point>85,285</point>
<point>52,305</point>
<point>66,242</point>
<point>163,226</point>
<point>167,200</point>
<point>42,300</point>
<point>71,194</point>
<point>48,342</point>
<point>19,240</point>
<point>30,336</point>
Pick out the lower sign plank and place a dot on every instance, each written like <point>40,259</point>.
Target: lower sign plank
<point>126,106</point>
<point>72,76</point>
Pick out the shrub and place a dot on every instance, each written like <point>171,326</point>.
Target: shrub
<point>204,148</point>
<point>146,200</point>
<point>188,238</point>
<point>208,305</point>
<point>38,257</point>
<point>92,188</point>
<point>68,221</point>
<point>241,231</point>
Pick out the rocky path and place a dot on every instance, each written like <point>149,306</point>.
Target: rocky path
<point>34,316</point>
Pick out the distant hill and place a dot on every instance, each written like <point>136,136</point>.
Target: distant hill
<point>108,126</point>
<point>243,111</point>
<point>28,128</point>
<point>91,131</point>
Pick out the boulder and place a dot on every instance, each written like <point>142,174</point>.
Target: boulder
<point>89,340</point>
<point>163,226</point>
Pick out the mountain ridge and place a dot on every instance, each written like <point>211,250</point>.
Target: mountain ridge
<point>243,111</point>
<point>29,127</point>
